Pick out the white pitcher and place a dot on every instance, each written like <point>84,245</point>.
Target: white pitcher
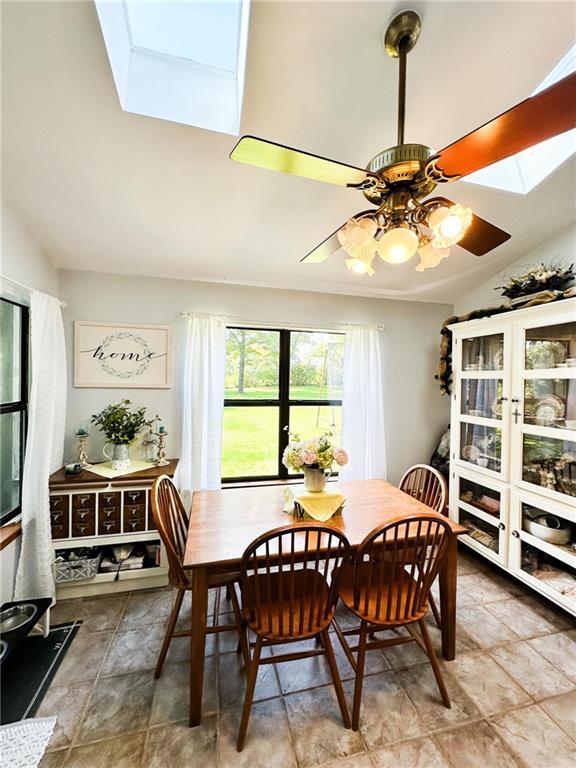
<point>119,457</point>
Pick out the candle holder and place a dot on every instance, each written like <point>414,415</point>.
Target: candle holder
<point>161,461</point>
<point>83,449</point>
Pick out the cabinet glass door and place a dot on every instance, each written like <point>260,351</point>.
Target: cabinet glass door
<point>480,438</point>
<point>544,410</point>
<point>480,506</point>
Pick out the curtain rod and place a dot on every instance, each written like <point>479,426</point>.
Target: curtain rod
<point>277,324</point>
<point>28,288</point>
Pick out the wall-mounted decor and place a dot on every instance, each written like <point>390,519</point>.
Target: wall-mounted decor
<point>122,356</point>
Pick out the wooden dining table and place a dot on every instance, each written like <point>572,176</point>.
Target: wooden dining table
<point>223,523</point>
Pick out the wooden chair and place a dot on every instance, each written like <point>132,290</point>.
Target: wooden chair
<point>172,524</point>
<point>289,582</point>
<point>427,485</point>
<point>388,586</point>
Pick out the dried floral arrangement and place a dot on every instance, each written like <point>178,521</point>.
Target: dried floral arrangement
<point>552,277</point>
<point>444,374</point>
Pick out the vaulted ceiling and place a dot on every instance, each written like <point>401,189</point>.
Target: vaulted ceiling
<point>102,189</point>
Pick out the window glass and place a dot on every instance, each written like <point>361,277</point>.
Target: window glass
<point>252,364</point>
<point>316,365</point>
<point>10,459</point>
<point>10,352</point>
<point>277,378</point>
<point>250,441</point>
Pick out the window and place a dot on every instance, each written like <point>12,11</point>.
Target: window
<point>13,404</point>
<point>274,379</point>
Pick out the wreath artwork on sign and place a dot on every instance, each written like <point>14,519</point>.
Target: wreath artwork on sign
<point>146,352</point>
<point>108,355</point>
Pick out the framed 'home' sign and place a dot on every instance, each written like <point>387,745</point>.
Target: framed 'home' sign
<point>121,356</point>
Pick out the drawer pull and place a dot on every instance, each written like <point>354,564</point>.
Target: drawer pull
<point>82,514</point>
<point>56,515</point>
<point>109,511</point>
<point>108,525</point>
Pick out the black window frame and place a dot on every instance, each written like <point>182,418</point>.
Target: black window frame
<point>283,402</point>
<point>20,406</point>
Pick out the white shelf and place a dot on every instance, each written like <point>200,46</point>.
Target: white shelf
<point>562,553</point>
<point>554,433</point>
<point>549,373</point>
<point>484,374</point>
<point>103,541</point>
<point>479,513</point>
<point>482,421</point>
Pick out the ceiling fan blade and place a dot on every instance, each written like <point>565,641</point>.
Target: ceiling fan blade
<point>481,236</point>
<point>542,116</point>
<point>326,248</point>
<point>330,245</point>
<point>277,157</point>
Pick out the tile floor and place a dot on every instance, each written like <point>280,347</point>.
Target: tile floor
<point>512,685</point>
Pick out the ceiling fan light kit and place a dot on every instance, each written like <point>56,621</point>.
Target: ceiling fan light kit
<point>398,179</point>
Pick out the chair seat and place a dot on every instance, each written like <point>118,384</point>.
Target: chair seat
<point>217,580</point>
<point>376,610</point>
<point>283,613</point>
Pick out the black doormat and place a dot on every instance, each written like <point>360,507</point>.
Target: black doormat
<point>29,670</point>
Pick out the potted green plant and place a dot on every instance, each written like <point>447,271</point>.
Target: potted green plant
<point>121,424</point>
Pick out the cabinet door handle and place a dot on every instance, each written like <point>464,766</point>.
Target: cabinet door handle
<point>516,534</point>
<point>504,399</point>
<point>502,526</point>
<point>515,400</point>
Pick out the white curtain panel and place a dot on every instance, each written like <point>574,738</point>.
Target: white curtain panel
<point>203,355</point>
<point>44,445</point>
<point>363,433</point>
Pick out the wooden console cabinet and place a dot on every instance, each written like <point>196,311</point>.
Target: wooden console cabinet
<point>88,510</point>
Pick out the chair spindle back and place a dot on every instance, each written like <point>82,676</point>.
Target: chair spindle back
<point>172,522</point>
<point>427,485</point>
<point>396,565</point>
<point>289,579</point>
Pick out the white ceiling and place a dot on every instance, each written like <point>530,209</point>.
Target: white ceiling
<point>105,190</point>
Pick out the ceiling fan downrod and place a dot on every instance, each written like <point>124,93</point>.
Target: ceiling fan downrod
<point>401,36</point>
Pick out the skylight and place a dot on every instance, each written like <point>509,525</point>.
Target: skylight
<point>524,171</point>
<point>180,61</point>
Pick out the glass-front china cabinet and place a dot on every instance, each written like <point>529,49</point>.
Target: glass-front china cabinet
<point>513,448</point>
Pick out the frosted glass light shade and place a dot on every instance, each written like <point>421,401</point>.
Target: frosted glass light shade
<point>430,256</point>
<point>449,224</point>
<point>397,245</point>
<point>362,265</point>
<point>356,233</point>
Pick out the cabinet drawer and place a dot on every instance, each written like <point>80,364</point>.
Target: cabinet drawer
<point>83,501</point>
<point>109,499</point>
<point>83,522</point>
<point>134,497</point>
<point>134,524</point>
<point>108,518</point>
<point>60,524</point>
<point>108,525</point>
<point>59,503</point>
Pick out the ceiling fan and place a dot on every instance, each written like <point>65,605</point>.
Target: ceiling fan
<point>397,180</point>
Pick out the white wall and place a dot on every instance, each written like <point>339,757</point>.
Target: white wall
<point>561,247</point>
<point>416,412</point>
<point>20,259</point>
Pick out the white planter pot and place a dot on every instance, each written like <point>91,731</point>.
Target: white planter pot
<point>314,480</point>
<point>120,456</point>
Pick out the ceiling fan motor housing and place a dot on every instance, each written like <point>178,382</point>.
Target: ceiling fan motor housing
<point>401,165</point>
